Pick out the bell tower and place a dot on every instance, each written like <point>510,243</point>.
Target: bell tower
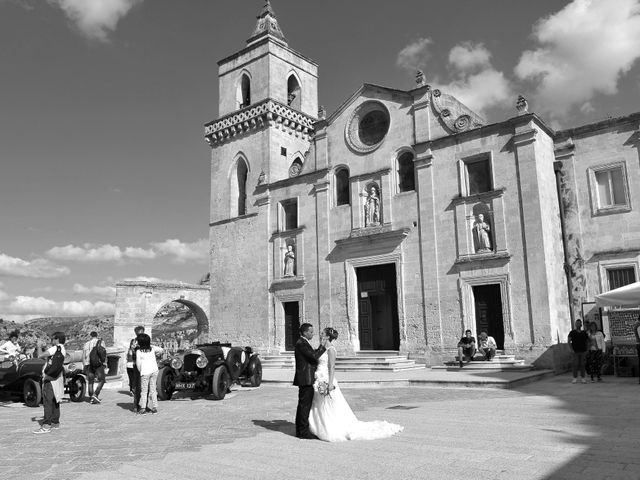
<point>268,102</point>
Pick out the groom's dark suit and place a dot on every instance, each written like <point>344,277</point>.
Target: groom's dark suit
<point>306,363</point>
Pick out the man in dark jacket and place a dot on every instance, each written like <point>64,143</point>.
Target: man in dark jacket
<point>306,363</point>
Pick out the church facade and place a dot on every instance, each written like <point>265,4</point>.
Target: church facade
<point>403,218</point>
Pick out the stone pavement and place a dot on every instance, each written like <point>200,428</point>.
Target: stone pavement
<point>549,429</point>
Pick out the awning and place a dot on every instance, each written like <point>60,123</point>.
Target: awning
<point>629,295</point>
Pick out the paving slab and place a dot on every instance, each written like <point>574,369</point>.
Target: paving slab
<point>547,430</point>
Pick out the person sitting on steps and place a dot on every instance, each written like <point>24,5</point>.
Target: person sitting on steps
<point>488,346</point>
<point>466,347</point>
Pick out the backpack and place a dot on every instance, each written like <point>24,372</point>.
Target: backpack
<point>98,355</point>
<point>55,365</point>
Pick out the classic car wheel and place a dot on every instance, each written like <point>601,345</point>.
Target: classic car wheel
<point>31,393</point>
<point>165,383</point>
<point>220,383</point>
<point>77,387</point>
<point>255,372</point>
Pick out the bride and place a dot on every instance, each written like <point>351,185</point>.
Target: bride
<point>331,418</point>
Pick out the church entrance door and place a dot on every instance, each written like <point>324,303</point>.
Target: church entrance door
<point>488,305</point>
<point>291,324</point>
<point>378,327</point>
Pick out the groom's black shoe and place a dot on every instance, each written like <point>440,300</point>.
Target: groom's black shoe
<point>308,436</point>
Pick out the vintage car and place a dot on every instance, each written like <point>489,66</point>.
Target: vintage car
<point>210,368</point>
<point>22,375</point>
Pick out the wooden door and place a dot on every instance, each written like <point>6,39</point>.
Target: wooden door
<point>291,324</point>
<point>364,324</point>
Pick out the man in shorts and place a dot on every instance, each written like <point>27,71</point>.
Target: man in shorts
<point>93,372</point>
<point>466,347</point>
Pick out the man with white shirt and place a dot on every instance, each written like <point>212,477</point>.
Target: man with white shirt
<point>488,346</point>
<point>11,346</point>
<point>52,387</point>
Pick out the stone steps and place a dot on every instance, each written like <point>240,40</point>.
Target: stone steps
<point>366,361</point>
<point>500,362</point>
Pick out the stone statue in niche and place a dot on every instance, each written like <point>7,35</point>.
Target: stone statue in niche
<point>372,207</point>
<point>481,235</point>
<point>289,262</point>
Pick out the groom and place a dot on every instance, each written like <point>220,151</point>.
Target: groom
<point>306,363</point>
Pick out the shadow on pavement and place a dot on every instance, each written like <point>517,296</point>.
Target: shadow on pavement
<point>282,426</point>
<point>608,432</point>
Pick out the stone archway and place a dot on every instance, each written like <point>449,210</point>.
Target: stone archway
<point>138,302</point>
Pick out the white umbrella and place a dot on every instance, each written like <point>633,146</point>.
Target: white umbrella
<point>628,295</point>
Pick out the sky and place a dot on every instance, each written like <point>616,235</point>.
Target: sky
<point>104,171</point>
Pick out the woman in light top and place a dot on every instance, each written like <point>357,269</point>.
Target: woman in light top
<point>147,365</point>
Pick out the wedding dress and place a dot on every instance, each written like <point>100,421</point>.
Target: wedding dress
<point>331,419</point>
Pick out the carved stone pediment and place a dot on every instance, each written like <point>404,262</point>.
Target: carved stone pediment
<point>454,114</point>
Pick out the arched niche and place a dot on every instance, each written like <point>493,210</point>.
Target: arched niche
<point>238,187</point>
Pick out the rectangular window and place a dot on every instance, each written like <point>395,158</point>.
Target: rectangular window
<point>610,187</point>
<point>283,151</point>
<point>619,277</point>
<point>289,214</point>
<point>478,175</point>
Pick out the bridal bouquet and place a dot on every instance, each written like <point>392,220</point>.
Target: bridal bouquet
<point>323,389</point>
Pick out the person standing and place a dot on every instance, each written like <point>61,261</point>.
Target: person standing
<point>132,370</point>
<point>93,362</point>
<point>52,383</point>
<point>596,349</point>
<point>578,343</point>
<point>148,367</point>
<point>306,362</point>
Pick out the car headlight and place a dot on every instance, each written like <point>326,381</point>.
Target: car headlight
<point>176,363</point>
<point>71,366</point>
<point>202,361</point>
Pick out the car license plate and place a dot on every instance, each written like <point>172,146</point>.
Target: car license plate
<point>185,385</point>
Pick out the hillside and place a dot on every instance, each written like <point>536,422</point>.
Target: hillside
<point>76,329</point>
<point>174,321</point>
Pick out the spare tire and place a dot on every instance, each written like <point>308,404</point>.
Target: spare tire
<point>235,360</point>
<point>31,393</point>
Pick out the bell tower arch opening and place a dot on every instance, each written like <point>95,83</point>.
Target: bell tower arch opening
<point>294,92</point>
<point>243,91</point>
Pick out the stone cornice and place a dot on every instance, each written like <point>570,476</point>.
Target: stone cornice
<point>268,112</point>
<point>479,197</point>
<point>232,219</point>
<point>139,283</point>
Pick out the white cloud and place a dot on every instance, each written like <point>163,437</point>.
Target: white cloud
<point>476,82</point>
<point>95,18</point>
<point>415,55</point>
<point>24,305</point>
<point>104,291</point>
<point>468,57</point>
<point>38,268</point>
<point>140,253</point>
<point>584,49</point>
<point>98,253</point>
<point>197,251</point>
